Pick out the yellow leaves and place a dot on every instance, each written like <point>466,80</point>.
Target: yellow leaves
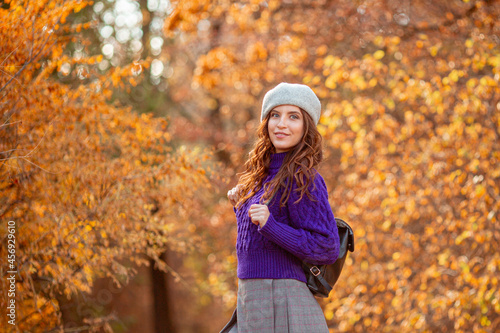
<point>379,54</point>
<point>392,193</point>
<point>471,83</point>
<point>173,21</point>
<point>379,41</point>
<point>256,52</point>
<point>479,238</point>
<point>485,321</point>
<point>321,50</point>
<point>231,259</point>
<point>488,81</point>
<point>389,102</point>
<point>494,61</point>
<point>95,59</point>
<point>333,62</point>
<point>80,6</point>
<point>215,58</point>
<point>312,80</point>
<point>386,225</point>
<point>292,69</point>
<point>407,272</point>
<point>348,109</point>
<point>355,126</point>
<point>132,82</point>
<point>331,82</point>
<point>480,191</point>
<point>391,148</point>
<point>394,41</point>
<point>459,175</point>
<point>328,314</point>
<point>359,233</point>
<point>464,235</point>
<point>89,199</point>
<point>10,68</point>
<point>443,258</point>
<point>423,37</point>
<point>433,50</point>
<point>396,302</point>
<point>359,82</point>
<point>455,75</point>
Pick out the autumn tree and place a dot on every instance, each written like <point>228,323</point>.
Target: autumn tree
<point>94,189</point>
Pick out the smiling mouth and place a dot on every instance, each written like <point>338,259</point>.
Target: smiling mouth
<point>280,135</point>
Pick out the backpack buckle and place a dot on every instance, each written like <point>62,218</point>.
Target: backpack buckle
<point>315,271</point>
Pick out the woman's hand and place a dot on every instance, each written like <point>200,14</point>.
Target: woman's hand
<point>259,214</point>
<point>234,194</point>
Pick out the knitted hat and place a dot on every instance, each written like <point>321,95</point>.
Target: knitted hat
<point>293,94</point>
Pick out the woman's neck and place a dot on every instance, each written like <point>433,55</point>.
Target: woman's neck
<point>277,161</point>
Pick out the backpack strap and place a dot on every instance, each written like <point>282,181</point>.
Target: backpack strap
<point>316,272</point>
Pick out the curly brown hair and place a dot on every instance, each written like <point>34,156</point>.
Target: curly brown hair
<point>299,164</point>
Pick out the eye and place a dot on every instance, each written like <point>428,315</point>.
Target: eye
<point>274,114</point>
<point>294,116</point>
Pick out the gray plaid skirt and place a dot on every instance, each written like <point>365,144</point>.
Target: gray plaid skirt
<point>275,305</point>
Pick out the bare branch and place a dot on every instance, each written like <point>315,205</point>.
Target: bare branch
<point>53,173</point>
<point>15,122</point>
<point>8,55</point>
<point>30,60</point>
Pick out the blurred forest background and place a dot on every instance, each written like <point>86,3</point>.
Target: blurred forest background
<point>124,123</point>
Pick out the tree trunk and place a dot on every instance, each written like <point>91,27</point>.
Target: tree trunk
<point>162,312</point>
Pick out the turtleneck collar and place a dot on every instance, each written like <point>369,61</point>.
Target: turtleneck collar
<point>277,160</point>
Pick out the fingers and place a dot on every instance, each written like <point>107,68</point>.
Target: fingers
<point>258,214</point>
<point>234,194</point>
<point>255,209</point>
<point>232,198</point>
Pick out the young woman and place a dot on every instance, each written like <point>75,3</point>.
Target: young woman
<point>283,217</point>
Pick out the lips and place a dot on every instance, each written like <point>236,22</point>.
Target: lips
<point>280,135</point>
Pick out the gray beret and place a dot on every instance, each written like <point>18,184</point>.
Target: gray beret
<point>293,94</point>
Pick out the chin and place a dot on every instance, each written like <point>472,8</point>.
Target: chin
<point>282,150</point>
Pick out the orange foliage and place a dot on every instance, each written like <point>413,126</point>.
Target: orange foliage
<point>412,134</point>
<point>93,188</point>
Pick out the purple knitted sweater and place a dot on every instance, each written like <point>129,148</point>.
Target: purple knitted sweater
<point>302,231</point>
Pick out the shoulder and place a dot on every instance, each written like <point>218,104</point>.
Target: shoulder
<point>316,188</point>
<point>318,178</point>
<point>317,181</point>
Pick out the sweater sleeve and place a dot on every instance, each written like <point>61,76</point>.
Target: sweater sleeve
<point>314,235</point>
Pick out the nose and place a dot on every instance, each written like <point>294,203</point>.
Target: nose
<point>282,122</point>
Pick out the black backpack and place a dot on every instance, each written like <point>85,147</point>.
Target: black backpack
<point>322,278</point>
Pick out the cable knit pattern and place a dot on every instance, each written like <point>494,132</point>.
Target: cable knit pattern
<point>302,231</point>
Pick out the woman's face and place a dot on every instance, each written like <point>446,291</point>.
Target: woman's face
<point>286,127</point>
